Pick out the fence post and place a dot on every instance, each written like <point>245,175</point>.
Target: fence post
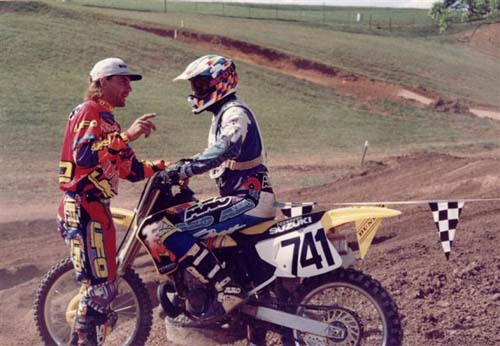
<point>365,149</point>
<point>164,6</point>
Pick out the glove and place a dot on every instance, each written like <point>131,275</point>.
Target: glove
<point>180,171</point>
<point>61,227</point>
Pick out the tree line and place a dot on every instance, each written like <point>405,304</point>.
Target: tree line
<point>449,11</point>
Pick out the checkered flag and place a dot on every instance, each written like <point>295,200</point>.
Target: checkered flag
<point>446,215</point>
<point>290,209</point>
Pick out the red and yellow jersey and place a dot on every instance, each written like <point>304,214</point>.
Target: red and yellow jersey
<point>95,153</point>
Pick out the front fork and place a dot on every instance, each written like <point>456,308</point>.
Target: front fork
<point>130,246</point>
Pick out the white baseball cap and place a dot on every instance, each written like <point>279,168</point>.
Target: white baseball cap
<point>111,67</point>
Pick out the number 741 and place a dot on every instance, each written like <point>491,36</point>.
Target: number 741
<point>302,246</point>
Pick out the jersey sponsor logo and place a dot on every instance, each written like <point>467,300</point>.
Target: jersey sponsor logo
<point>83,124</point>
<point>290,224</point>
<point>206,207</point>
<point>99,145</point>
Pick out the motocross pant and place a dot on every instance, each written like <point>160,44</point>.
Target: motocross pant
<point>251,204</point>
<point>89,230</point>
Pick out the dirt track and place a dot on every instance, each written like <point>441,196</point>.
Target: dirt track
<point>443,303</point>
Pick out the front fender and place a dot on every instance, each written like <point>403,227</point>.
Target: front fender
<point>122,217</point>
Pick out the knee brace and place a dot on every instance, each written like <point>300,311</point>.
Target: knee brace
<point>99,296</point>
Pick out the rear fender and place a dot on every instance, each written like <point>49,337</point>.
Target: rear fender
<point>337,217</point>
<point>367,220</point>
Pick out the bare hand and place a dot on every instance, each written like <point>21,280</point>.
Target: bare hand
<point>141,126</point>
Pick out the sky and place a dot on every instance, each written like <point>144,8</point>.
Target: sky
<point>364,3</point>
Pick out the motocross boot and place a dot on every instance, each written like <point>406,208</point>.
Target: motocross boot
<point>204,266</point>
<point>91,327</point>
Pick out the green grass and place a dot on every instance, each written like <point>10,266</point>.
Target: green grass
<point>412,19</point>
<point>48,51</point>
<point>403,56</point>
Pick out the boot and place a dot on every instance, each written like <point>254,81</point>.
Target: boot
<point>203,265</point>
<point>90,328</point>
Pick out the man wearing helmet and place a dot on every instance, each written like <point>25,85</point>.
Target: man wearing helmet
<point>235,159</point>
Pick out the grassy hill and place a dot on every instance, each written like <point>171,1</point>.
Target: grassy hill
<point>47,52</point>
<point>400,45</point>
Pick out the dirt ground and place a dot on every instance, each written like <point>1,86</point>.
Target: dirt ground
<point>484,38</point>
<point>442,302</point>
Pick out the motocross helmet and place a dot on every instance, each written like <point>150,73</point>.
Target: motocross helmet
<point>212,78</point>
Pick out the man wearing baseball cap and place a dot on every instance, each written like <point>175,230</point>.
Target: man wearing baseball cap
<point>94,155</point>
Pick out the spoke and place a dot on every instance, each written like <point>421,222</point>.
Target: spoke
<point>124,308</point>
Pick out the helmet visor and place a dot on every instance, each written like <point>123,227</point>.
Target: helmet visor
<point>202,86</point>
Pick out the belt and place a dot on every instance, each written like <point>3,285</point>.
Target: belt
<point>242,166</point>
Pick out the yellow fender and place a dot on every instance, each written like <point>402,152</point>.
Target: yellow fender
<point>337,217</point>
<point>367,221</point>
<point>72,308</point>
<point>122,217</point>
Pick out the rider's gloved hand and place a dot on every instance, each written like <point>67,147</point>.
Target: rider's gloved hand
<point>179,172</point>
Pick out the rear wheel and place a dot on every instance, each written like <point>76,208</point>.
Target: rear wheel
<point>357,306</point>
<point>57,298</point>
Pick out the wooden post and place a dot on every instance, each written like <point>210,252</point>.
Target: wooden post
<point>365,149</point>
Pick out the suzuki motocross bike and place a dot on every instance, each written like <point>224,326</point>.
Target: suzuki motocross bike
<point>297,272</point>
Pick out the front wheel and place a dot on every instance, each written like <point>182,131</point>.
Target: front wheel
<point>357,306</point>
<point>58,295</point>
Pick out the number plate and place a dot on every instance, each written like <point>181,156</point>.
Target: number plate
<point>303,253</point>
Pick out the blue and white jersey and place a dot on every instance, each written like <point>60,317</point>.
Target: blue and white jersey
<point>234,135</point>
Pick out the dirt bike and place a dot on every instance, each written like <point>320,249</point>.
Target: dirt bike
<point>297,272</point>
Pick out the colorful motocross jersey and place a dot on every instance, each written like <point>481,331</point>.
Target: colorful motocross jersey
<point>235,148</point>
<point>95,154</point>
